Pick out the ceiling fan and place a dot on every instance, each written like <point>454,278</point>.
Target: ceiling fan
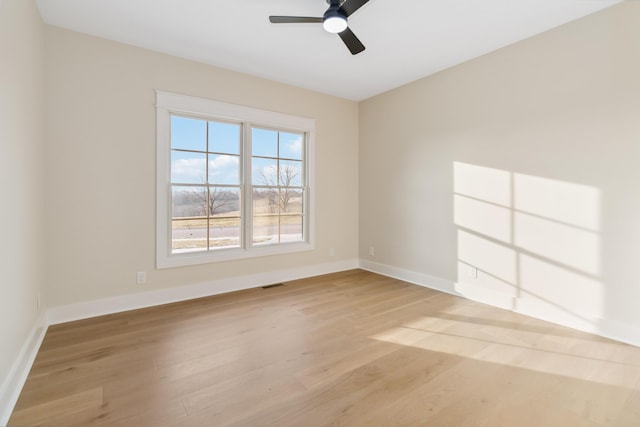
<point>334,21</point>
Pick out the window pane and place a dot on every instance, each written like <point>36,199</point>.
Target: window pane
<point>224,169</point>
<point>290,173</point>
<point>291,145</point>
<point>188,168</point>
<point>264,142</point>
<point>188,134</point>
<point>264,171</point>
<point>290,201</point>
<point>224,138</point>
<point>188,235</point>
<point>224,202</point>
<point>265,230</point>
<point>291,228</point>
<point>224,233</point>
<point>188,201</point>
<point>265,201</point>
<point>265,216</point>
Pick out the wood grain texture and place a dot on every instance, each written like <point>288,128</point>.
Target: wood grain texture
<point>346,349</point>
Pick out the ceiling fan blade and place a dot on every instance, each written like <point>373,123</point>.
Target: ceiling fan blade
<point>350,6</point>
<point>293,19</point>
<point>352,42</point>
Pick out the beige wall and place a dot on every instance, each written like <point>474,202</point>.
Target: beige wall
<point>537,146</point>
<point>100,179</point>
<point>21,176</point>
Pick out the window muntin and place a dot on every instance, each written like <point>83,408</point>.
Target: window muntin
<point>236,182</point>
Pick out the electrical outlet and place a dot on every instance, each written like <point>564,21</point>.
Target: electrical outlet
<point>472,272</point>
<point>141,277</point>
<point>332,252</point>
<point>372,251</point>
<point>38,301</point>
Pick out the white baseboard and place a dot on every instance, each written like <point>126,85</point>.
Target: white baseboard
<point>420,279</point>
<point>606,328</point>
<point>620,331</point>
<point>10,389</point>
<point>486,296</point>
<point>87,309</point>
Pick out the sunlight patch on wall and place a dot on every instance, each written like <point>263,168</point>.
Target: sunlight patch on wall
<point>531,241</point>
<point>487,184</point>
<point>571,246</point>
<point>489,282</point>
<point>485,218</point>
<point>490,257</point>
<point>553,285</point>
<point>573,204</point>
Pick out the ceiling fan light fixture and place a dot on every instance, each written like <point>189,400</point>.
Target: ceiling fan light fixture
<point>334,22</point>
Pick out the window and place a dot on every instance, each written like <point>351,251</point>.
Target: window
<point>233,182</point>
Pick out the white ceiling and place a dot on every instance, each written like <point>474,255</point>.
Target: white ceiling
<point>405,39</point>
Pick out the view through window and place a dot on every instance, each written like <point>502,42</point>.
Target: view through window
<point>237,181</point>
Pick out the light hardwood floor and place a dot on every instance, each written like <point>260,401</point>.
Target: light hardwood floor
<point>347,349</point>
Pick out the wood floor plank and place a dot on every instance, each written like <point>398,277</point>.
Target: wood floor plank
<point>62,407</point>
<point>346,349</point>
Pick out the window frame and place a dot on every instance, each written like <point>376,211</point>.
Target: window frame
<point>168,103</point>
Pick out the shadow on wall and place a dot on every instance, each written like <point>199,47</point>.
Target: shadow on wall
<point>529,244</point>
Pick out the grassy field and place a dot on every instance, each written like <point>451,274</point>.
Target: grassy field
<point>233,221</point>
<point>202,244</point>
<point>263,215</point>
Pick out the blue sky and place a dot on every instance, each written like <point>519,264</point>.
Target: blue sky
<point>224,152</point>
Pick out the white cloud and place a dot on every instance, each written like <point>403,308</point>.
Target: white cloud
<point>224,169</point>
<point>221,162</point>
<point>270,172</point>
<point>296,146</point>
<point>188,170</point>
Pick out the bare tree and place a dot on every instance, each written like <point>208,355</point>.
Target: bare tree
<point>286,175</point>
<point>217,200</point>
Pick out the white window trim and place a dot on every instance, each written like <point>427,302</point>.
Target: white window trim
<point>168,103</point>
